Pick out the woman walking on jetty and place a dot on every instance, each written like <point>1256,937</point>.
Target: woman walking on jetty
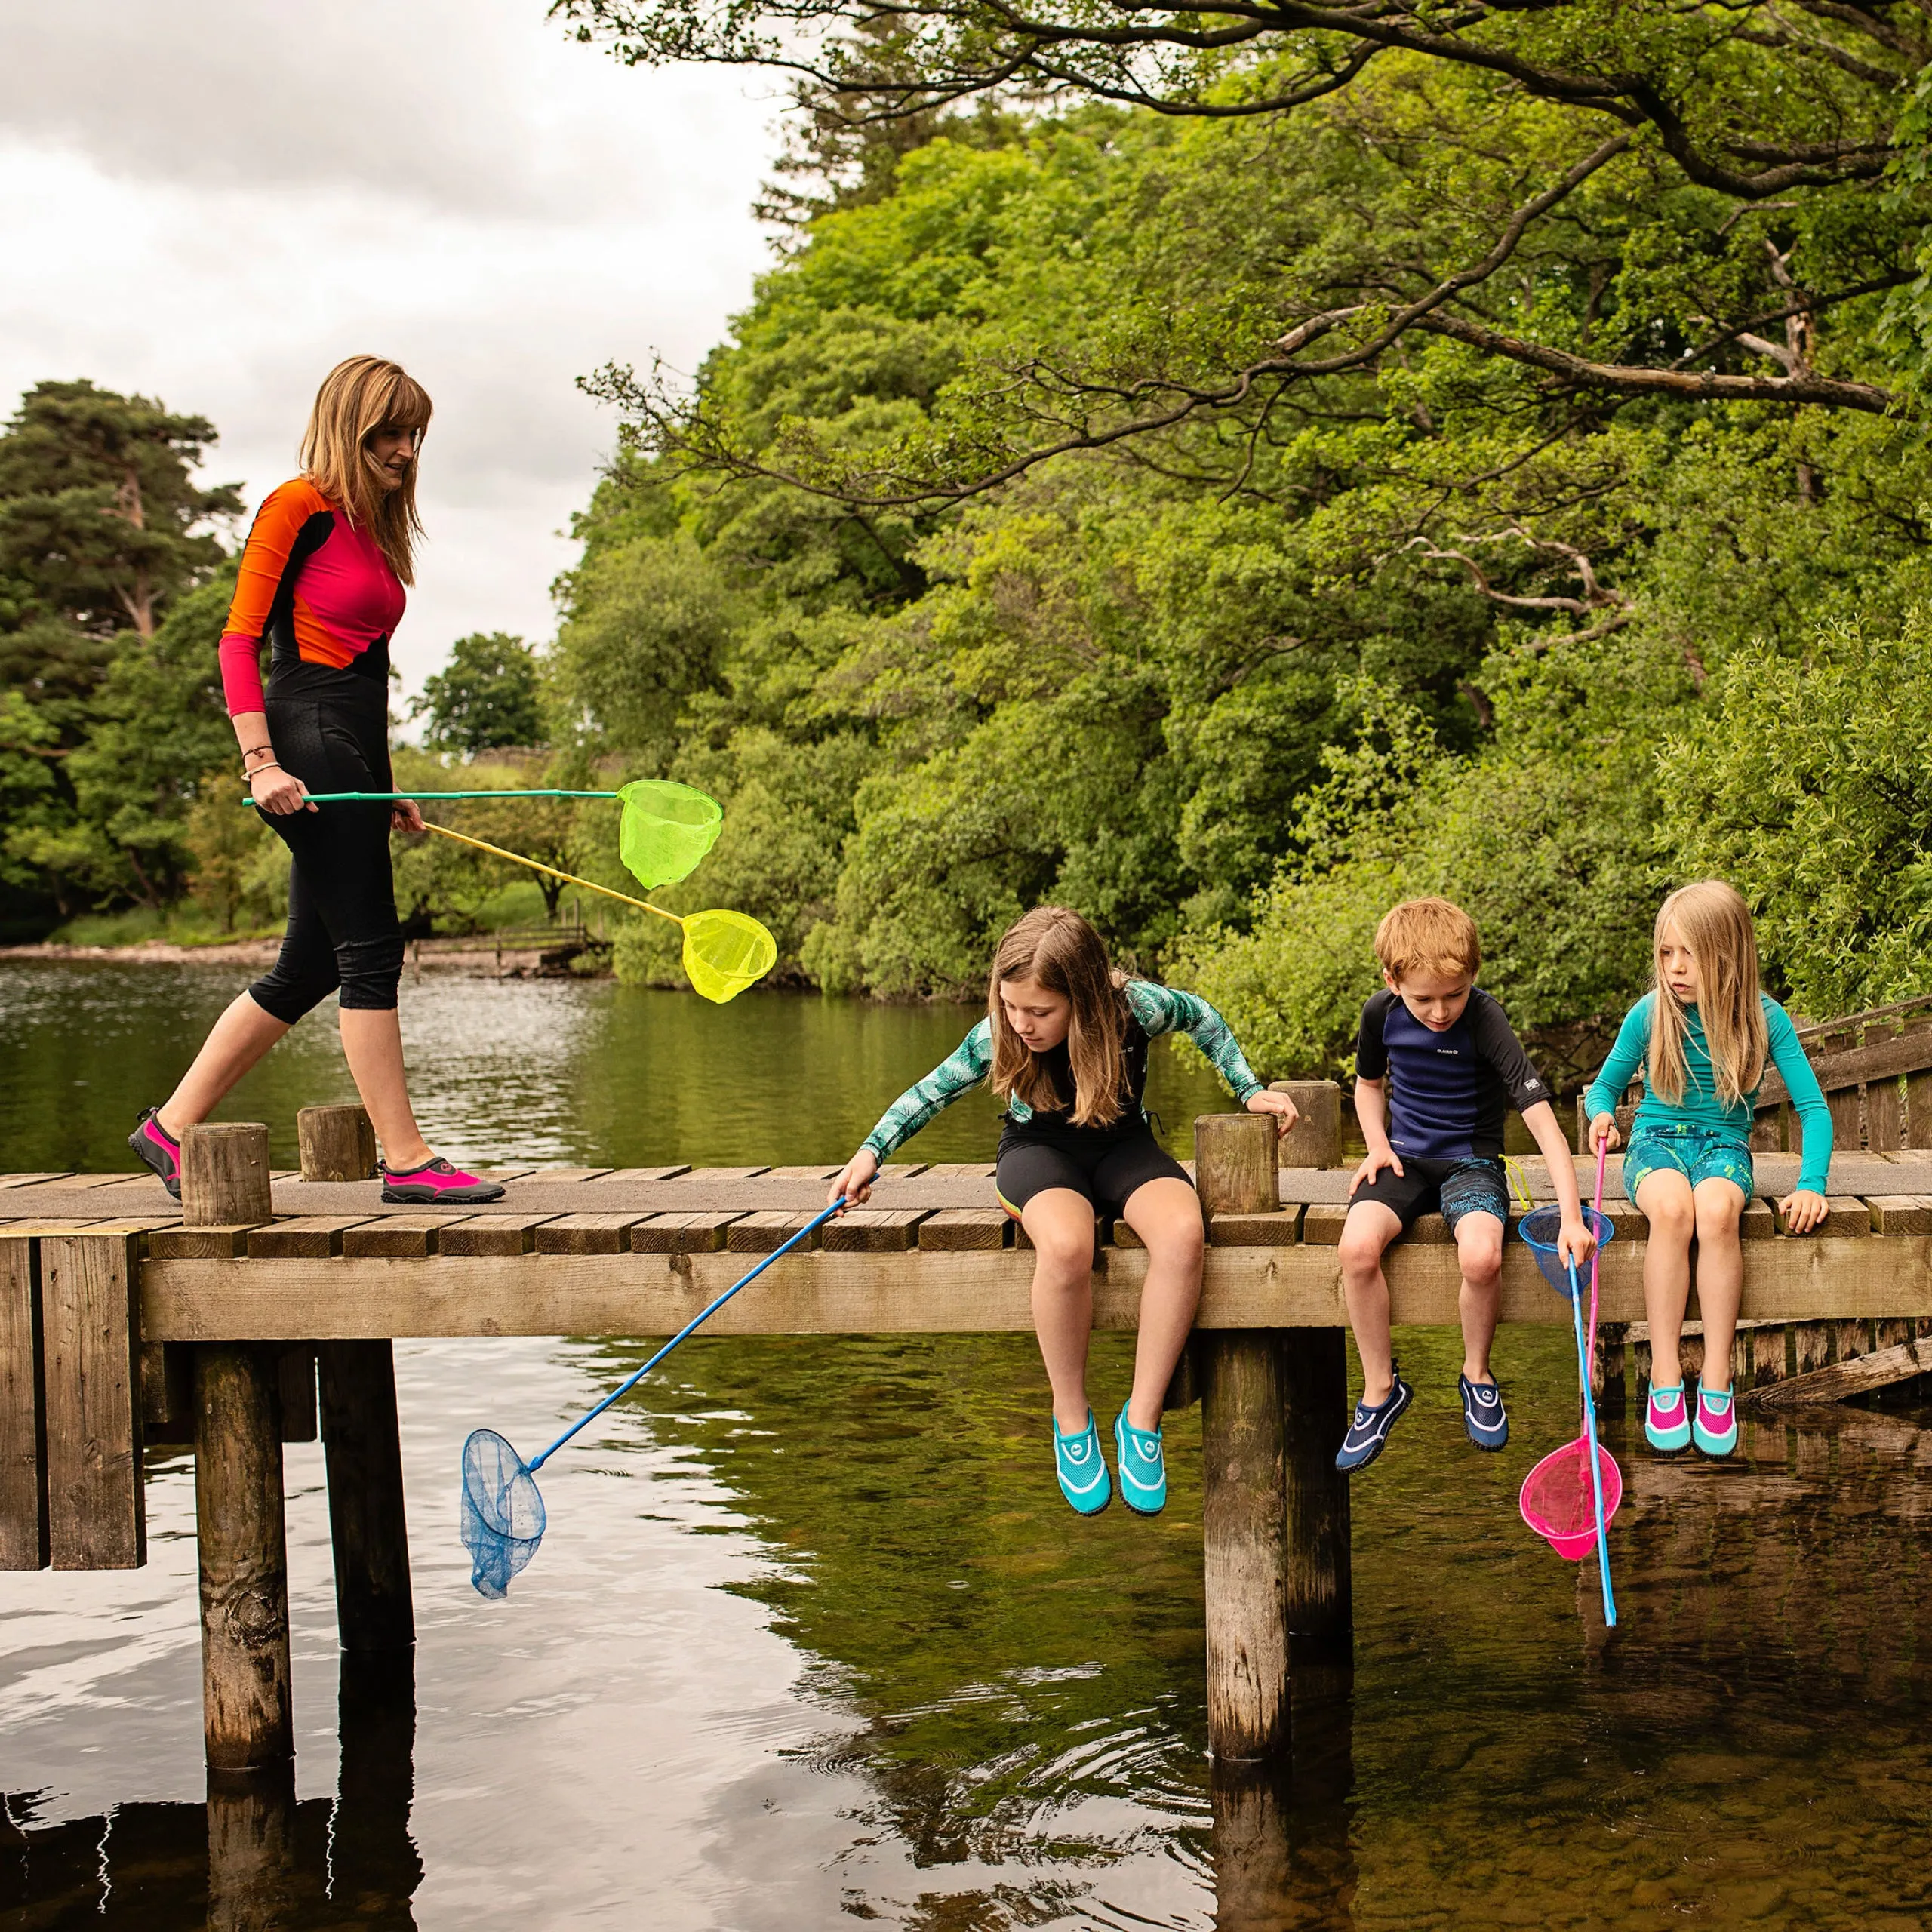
<point>1064,1044</point>
<point>321,578</point>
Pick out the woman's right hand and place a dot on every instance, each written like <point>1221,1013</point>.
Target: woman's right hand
<point>278,792</point>
<point>1603,1135</point>
<point>855,1180</point>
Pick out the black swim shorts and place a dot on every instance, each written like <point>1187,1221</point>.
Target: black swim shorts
<point>1106,1168</point>
<point>1451,1188</point>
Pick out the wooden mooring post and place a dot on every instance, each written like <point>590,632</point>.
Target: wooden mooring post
<point>361,1438</point>
<point>1274,1519</point>
<point>247,1709</point>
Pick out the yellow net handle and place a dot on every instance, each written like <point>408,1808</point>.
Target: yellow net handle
<point>569,878</point>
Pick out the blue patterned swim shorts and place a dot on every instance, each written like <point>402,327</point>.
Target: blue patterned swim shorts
<point>1697,1153</point>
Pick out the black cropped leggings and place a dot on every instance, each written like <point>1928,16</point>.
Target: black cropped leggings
<point>330,729</point>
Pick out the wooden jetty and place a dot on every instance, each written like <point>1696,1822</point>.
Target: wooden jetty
<point>263,1309</point>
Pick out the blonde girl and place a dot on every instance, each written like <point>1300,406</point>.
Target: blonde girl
<point>1065,1043</point>
<point>1702,1035</point>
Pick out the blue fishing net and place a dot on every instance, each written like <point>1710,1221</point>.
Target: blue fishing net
<point>502,1514</point>
<point>1540,1228</point>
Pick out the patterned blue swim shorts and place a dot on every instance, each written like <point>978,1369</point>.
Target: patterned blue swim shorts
<point>1697,1153</point>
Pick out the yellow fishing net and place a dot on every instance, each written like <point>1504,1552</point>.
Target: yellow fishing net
<point>725,952</point>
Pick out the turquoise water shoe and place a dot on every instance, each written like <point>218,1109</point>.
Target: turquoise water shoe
<point>1081,1469</point>
<point>1714,1427</point>
<point>1143,1468</point>
<point>1666,1421</point>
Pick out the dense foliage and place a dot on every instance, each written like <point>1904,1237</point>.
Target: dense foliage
<point>1437,618</point>
<point>1257,472</point>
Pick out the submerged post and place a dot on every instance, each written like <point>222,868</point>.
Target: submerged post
<point>362,1447</point>
<point>247,1707</point>
<point>1244,1517</point>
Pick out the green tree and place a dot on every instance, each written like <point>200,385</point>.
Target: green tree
<point>1806,785</point>
<point>486,697</point>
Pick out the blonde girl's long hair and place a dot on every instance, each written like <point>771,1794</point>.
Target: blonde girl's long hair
<point>1713,921</point>
<point>1063,953</point>
<point>358,398</point>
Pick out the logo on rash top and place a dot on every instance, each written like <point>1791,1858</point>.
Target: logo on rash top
<point>1450,1052</point>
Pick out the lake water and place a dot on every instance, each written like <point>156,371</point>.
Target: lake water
<point>812,1640</point>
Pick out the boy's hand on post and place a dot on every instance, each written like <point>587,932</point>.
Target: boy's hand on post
<point>855,1180</point>
<point>1803,1210</point>
<point>1372,1164</point>
<point>1603,1135</point>
<point>1284,1110</point>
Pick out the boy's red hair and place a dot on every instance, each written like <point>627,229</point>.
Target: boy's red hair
<point>1428,936</point>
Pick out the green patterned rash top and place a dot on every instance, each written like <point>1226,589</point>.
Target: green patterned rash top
<point>1158,1009</point>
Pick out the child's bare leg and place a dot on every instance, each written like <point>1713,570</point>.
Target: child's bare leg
<point>1166,1214</point>
<point>1479,1249</point>
<point>1366,1235</point>
<point>1059,1223</point>
<point>1665,1198</point>
<point>1720,1276</point>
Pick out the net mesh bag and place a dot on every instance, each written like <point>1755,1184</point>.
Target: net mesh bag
<point>1540,1228</point>
<point>725,952</point>
<point>1557,1502</point>
<point>502,1514</point>
<point>667,829</point>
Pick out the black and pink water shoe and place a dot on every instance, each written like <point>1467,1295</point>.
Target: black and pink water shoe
<point>159,1148</point>
<point>437,1185</point>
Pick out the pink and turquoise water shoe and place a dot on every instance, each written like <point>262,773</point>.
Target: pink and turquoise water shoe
<point>158,1148</point>
<point>1714,1427</point>
<point>1082,1469</point>
<point>1666,1422</point>
<point>437,1184</point>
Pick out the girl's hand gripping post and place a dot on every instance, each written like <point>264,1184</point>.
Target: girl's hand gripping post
<point>1803,1210</point>
<point>1284,1110</point>
<point>854,1187</point>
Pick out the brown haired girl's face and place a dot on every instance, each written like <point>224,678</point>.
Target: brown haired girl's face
<point>1677,966</point>
<point>1042,1019</point>
<point>391,450</point>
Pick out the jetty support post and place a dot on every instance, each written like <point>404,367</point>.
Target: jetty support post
<point>247,1708</point>
<point>361,1443</point>
<point>1242,1377</point>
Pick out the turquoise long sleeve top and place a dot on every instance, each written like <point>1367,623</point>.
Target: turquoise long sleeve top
<point>1700,1106</point>
<point>1157,1009</point>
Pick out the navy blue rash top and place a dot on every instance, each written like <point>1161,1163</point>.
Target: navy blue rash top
<point>1449,1093</point>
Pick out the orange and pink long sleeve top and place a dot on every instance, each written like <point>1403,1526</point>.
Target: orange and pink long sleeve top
<point>316,586</point>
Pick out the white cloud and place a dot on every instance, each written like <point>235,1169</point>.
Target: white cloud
<point>213,201</point>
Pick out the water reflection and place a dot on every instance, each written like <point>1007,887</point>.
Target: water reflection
<point>250,1858</point>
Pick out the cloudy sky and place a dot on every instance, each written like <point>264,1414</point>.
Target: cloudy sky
<point>212,201</point>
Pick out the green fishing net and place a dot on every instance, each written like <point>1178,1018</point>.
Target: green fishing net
<point>666,830</point>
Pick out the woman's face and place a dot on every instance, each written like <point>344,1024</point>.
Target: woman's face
<point>392,450</point>
<point>1042,1019</point>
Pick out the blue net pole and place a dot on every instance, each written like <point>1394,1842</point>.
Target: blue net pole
<point>691,1326</point>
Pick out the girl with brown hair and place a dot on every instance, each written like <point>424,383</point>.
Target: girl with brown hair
<point>1065,1043</point>
<point>1702,1035</point>
<point>322,579</point>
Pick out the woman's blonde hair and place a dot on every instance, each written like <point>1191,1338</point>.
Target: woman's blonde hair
<point>1064,954</point>
<point>358,398</point>
<point>1713,921</point>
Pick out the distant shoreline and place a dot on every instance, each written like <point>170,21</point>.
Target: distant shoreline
<point>473,958</point>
